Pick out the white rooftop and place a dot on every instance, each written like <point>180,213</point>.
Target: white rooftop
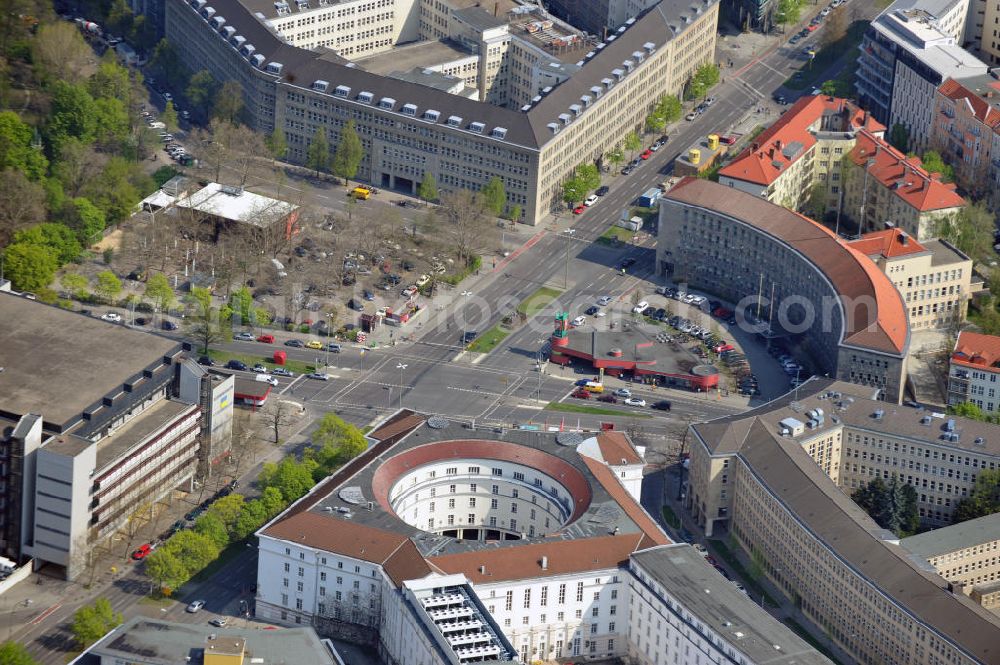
<point>929,45</point>
<point>237,204</point>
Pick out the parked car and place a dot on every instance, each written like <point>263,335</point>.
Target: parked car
<point>237,365</point>
<point>604,301</point>
<point>579,209</point>
<point>581,393</point>
<point>591,200</point>
<point>243,337</point>
<point>206,361</point>
<point>469,336</point>
<point>578,321</point>
<point>357,305</point>
<point>592,310</point>
<point>281,371</point>
<point>114,317</point>
<point>609,398</point>
<point>319,376</point>
<point>266,339</point>
<point>640,307</point>
<point>314,344</point>
<point>195,606</point>
<point>260,369</point>
<point>635,401</point>
<point>691,116</point>
<point>662,405</point>
<point>295,343</point>
<point>219,622</point>
<point>142,552</point>
<point>168,325</point>
<point>602,190</point>
<point>408,291</point>
<point>623,392</point>
<point>646,154</point>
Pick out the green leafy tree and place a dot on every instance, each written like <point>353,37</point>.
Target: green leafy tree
<point>616,156</point>
<point>84,218</point>
<point>108,285</point>
<point>203,321</point>
<point>493,196</point>
<point>92,622</point>
<point>241,302</point>
<point>200,91</point>
<point>345,439</point>
<point>227,509</point>
<point>933,163</point>
<point>277,144</point>
<point>71,115</point>
<point>318,153</point>
<point>899,138</point>
<point>75,283</point>
<point>589,176</point>
<point>349,153</point>
<point>60,239</point>
<point>975,227</point>
<point>428,189</point>
<point>293,479</point>
<point>703,80</point>
<point>967,410</point>
<point>111,123</point>
<point>169,116</point>
<point>228,102</point>
<point>515,213</point>
<point>670,108</point>
<point>159,293</point>
<point>213,528</point>
<point>12,653</point>
<point>829,88</point>
<point>789,11</point>
<point>111,81</point>
<point>272,501</point>
<point>984,499</point>
<point>193,550</point>
<point>164,568</point>
<point>29,267</point>
<point>574,191</point>
<point>16,150</point>
<point>114,191</point>
<point>167,65</point>
<point>632,143</point>
<point>892,505</point>
<point>251,518</point>
<point>655,123</point>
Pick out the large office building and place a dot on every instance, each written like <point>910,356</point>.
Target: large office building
<point>448,545</point>
<point>830,299</point>
<point>503,90</point>
<point>974,371</point>
<point>910,49</point>
<point>776,479</point>
<point>966,554</point>
<point>95,432</point>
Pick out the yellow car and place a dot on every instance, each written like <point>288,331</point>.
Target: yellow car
<point>314,344</point>
<point>423,279</point>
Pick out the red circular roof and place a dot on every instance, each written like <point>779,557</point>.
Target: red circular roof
<point>559,470</point>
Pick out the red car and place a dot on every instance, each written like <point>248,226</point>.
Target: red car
<point>647,154</point>
<point>581,393</point>
<point>266,339</point>
<point>811,28</point>
<point>142,552</point>
<point>723,347</point>
<point>727,140</point>
<point>579,209</point>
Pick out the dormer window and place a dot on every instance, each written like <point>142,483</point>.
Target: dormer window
<point>409,109</point>
<point>476,127</point>
<point>499,132</point>
<point>341,91</point>
<point>386,103</point>
<point>365,97</point>
<point>431,115</point>
<point>454,121</point>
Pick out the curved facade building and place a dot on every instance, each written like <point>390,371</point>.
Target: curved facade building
<point>836,305</point>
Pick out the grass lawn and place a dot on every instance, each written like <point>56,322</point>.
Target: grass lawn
<point>805,635</point>
<point>297,366</point>
<point>756,591</point>
<point>592,410</point>
<point>671,518</point>
<point>616,233</point>
<point>488,340</point>
<point>846,46</point>
<point>538,300</point>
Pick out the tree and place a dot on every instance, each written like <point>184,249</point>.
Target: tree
<point>345,439</point>
<point>227,509</point>
<point>616,156</point>
<point>828,88</point>
<point>169,116</point>
<point>589,176</point>
<point>200,90</point>
<point>836,27</point>
<point>84,218</point>
<point>111,124</point>
<point>815,205</point>
<point>789,11</point>
<point>899,138</point>
<point>349,153</point>
<point>12,653</point>
<point>670,108</point>
<point>275,415</point>
<point>72,115</point>
<point>277,144</point>
<point>428,189</point>
<point>60,52</point>
<point>111,80</point>
<point>108,285</point>
<point>115,191</point>
<point>203,322</point>
<point>466,225</point>
<point>574,191</point>
<point>251,518</point>
<point>975,227</point>
<point>984,499</point>
<point>75,283</point>
<point>494,196</point>
<point>60,239</point>
<point>159,292</point>
<point>967,410</point>
<point>213,528</point>
<point>318,153</point>
<point>932,162</point>
<point>92,622</point>
<point>272,501</point>
<point>655,123</point>
<point>164,568</point>
<point>29,267</point>
<point>228,102</point>
<point>22,203</point>
<point>892,505</point>
<point>703,79</point>
<point>632,143</point>
<point>293,479</point>
<point>16,149</point>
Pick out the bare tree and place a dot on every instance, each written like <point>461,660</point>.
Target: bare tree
<point>466,223</point>
<point>61,52</point>
<point>277,413</point>
<point>22,203</point>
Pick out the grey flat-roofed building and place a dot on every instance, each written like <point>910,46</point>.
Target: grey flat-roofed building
<point>955,537</point>
<point>142,641</point>
<point>720,611</point>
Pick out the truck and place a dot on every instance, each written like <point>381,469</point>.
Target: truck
<point>633,224</point>
<point>650,197</point>
<point>89,27</point>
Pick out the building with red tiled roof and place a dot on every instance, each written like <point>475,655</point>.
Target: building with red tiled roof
<point>935,279</point>
<point>802,148</point>
<point>974,371</point>
<point>842,308</point>
<point>966,131</point>
<point>884,186</point>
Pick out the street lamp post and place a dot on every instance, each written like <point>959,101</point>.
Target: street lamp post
<point>400,367</point>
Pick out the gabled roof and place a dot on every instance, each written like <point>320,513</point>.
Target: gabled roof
<point>792,136</point>
<point>903,176</point>
<point>887,244</point>
<point>977,350</point>
<point>617,449</point>
<point>618,492</point>
<point>985,109</point>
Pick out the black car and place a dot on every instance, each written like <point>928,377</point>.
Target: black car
<point>663,139</point>
<point>368,295</point>
<point>469,336</point>
<point>602,190</point>
<point>168,325</point>
<point>141,321</point>
<point>628,263</point>
<point>593,309</point>
<point>206,361</point>
<point>394,279</point>
<point>237,364</point>
<point>628,169</point>
<point>609,398</point>
<point>662,405</point>
<point>296,343</point>
<point>355,305</point>
<point>407,266</point>
<point>659,314</point>
<point>349,279</point>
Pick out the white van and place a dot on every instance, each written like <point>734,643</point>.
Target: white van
<point>264,378</point>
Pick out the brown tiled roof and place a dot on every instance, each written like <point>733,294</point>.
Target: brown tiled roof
<point>616,448</point>
<point>983,110</point>
<point>401,423</point>
<point>524,562</point>
<point>888,244</point>
<point>853,275</point>
<point>977,350</point>
<point>618,492</point>
<point>406,563</point>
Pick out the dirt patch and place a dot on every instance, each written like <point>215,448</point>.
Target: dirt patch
<point>111,241</point>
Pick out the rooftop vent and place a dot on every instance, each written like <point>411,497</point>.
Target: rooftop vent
<point>477,127</point>
<point>431,115</point>
<point>237,41</point>
<point>926,420</point>
<point>365,97</point>
<point>607,83</point>
<point>248,50</point>
<point>341,91</point>
<point>386,103</point>
<point>597,91</point>
<point>878,414</point>
<point>979,441</point>
<point>950,425</point>
<point>274,67</point>
<point>282,8</point>
<point>628,65</point>
<point>409,109</point>
<point>320,86</point>
<point>454,121</point>
<point>227,32</point>
<point>499,133</point>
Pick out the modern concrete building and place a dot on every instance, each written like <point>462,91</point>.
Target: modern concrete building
<point>804,147</point>
<point>966,554</point>
<point>772,479</point>
<point>523,538</point>
<point>966,131</point>
<point>911,48</point>
<point>547,97</point>
<point>935,279</point>
<point>881,187</point>
<point>974,371</point>
<point>214,393</point>
<point>846,314</point>
<point>95,434</point>
<point>142,641</point>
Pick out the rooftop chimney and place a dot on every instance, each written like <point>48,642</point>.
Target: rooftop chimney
<point>904,239</point>
<point>545,563</point>
<point>777,144</point>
